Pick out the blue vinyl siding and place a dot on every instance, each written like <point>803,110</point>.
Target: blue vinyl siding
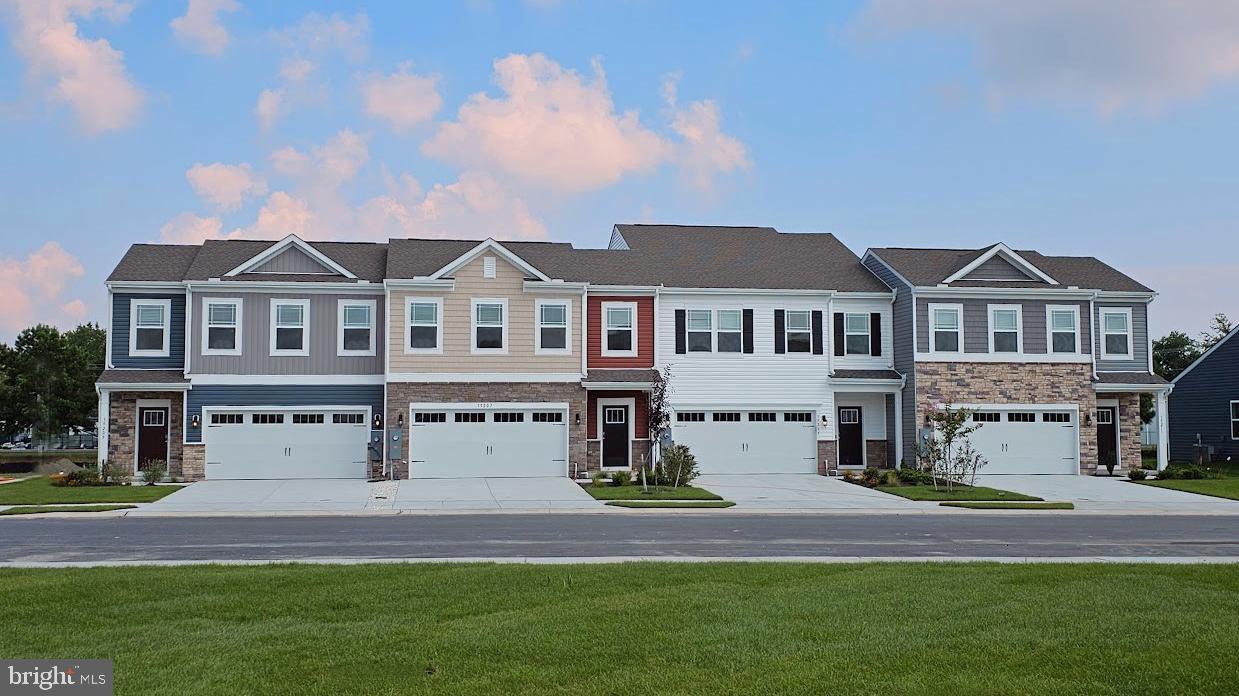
<point>282,395</point>
<point>1200,404</point>
<point>121,304</point>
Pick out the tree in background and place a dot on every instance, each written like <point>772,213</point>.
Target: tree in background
<point>1218,330</point>
<point>1173,353</point>
<point>47,379</point>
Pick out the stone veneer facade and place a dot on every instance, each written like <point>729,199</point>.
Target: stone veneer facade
<point>639,449</point>
<point>1013,383</point>
<point>1129,429</point>
<point>401,394</point>
<point>123,415</point>
<point>826,459</point>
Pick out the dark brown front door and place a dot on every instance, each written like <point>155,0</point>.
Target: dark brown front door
<point>851,438</point>
<point>1107,442</point>
<point>615,436</point>
<point>152,434</point>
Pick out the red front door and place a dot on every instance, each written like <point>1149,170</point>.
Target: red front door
<point>152,434</point>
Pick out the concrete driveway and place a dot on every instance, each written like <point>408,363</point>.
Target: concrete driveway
<point>299,495</point>
<point>1109,493</point>
<point>535,493</point>
<point>799,492</point>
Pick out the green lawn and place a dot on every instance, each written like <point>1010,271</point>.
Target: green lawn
<point>671,503</point>
<point>637,628</point>
<point>1225,485</point>
<point>605,492</point>
<point>999,505</point>
<point>40,491</point>
<point>959,493</point>
<point>37,509</point>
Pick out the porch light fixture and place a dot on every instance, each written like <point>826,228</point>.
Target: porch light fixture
<point>1088,418</point>
<point>578,419</point>
<point>378,421</point>
<point>195,422</point>
<point>823,419</point>
<point>400,420</point>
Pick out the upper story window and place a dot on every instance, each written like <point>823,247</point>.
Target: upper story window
<point>290,327</point>
<point>356,334</point>
<point>221,327</point>
<point>1064,328</point>
<point>620,328</point>
<point>856,334</point>
<point>700,324</point>
<point>490,326</point>
<point>1005,328</point>
<point>946,328</point>
<point>730,330</point>
<point>798,329</point>
<point>150,325</point>
<point>1116,340</point>
<point>425,330</point>
<point>552,329</point>
<point>1234,420</point>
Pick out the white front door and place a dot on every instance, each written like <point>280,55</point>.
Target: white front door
<point>1017,440</point>
<point>749,441</point>
<point>286,444</point>
<point>463,442</point>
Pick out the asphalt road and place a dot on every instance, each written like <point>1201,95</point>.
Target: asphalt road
<point>592,536</point>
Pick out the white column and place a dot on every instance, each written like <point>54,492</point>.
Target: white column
<point>1163,429</point>
<point>101,427</point>
<point>899,429</point>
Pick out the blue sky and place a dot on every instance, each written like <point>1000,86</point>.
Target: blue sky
<point>1064,125</point>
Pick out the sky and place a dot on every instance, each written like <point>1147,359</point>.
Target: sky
<point>1102,128</point>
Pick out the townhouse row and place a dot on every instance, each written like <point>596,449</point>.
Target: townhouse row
<point>787,353</point>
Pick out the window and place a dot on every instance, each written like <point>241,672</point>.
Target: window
<point>1105,416</point>
<point>1234,420</point>
<point>946,328</point>
<point>552,334</point>
<point>425,333</point>
<point>221,327</point>
<point>1004,328</point>
<point>348,418</point>
<point>490,329</point>
<point>507,417</point>
<point>227,418</point>
<point>762,417</point>
<point>797,328</point>
<point>1021,417</point>
<point>1056,418</point>
<point>471,417</point>
<point>148,334</point>
<point>429,417</point>
<point>726,417</point>
<point>548,417</point>
<point>619,321</point>
<point>856,334</point>
<point>690,417</point>
<point>290,321</point>
<point>729,331</point>
<point>154,418</point>
<point>356,335</point>
<point>1116,333</point>
<point>798,417</point>
<point>986,417</point>
<point>614,415</point>
<point>1064,328</point>
<point>700,326</point>
<point>267,418</point>
<point>307,419</point>
<point>849,416</point>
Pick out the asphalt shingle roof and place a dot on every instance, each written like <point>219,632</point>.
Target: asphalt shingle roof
<point>927,267</point>
<point>154,262</point>
<point>1129,378</point>
<point>142,377</point>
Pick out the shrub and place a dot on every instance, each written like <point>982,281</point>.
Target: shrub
<point>849,477</point>
<point>1137,474</point>
<point>914,476</point>
<point>79,477</point>
<point>1182,471</point>
<point>621,478</point>
<point>678,466</point>
<point>113,474</point>
<point>890,478</point>
<point>596,478</point>
<point>871,477</point>
<point>59,479</point>
<point>154,471</point>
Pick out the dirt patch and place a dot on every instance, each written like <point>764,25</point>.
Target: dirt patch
<point>55,466</point>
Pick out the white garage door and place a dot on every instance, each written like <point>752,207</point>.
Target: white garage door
<point>286,444</point>
<point>749,441</point>
<point>1027,441</point>
<point>460,442</point>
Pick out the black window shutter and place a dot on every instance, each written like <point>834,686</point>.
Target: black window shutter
<point>840,347</point>
<point>817,332</point>
<point>780,339</point>
<point>746,337</point>
<point>681,332</point>
<point>875,334</point>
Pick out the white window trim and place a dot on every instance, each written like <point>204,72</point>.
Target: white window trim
<point>716,329</point>
<point>537,327</point>
<point>959,309</point>
<point>1049,328</point>
<point>207,302</point>
<point>408,325</point>
<point>787,350</point>
<point>305,327</point>
<point>868,334</point>
<point>1232,419</point>
<point>133,328</point>
<point>991,329</point>
<point>374,308</point>
<point>712,331</point>
<point>606,352</point>
<point>473,325</point>
<point>1101,323</point>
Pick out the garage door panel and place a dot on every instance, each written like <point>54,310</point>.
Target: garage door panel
<point>748,441</point>
<point>1017,440</point>
<point>271,444</point>
<point>465,443</point>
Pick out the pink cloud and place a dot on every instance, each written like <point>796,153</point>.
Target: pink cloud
<point>704,150</point>
<point>32,288</point>
<point>200,28</point>
<point>226,186</point>
<point>476,206</point>
<point>188,228</point>
<point>402,99</point>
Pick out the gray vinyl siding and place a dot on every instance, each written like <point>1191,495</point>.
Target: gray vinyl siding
<point>1200,405</point>
<point>277,395</point>
<point>904,358</point>
<point>121,304</point>
<point>1139,339</point>
<point>291,260</point>
<point>976,323</point>
<point>997,268</point>
<point>256,358</point>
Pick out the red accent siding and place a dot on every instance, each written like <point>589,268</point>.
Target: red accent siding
<point>645,333</point>
<point>642,400</point>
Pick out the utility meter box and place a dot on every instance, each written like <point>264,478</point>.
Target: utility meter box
<point>395,443</point>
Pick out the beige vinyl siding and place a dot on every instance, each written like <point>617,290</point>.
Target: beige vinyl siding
<point>508,284</point>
